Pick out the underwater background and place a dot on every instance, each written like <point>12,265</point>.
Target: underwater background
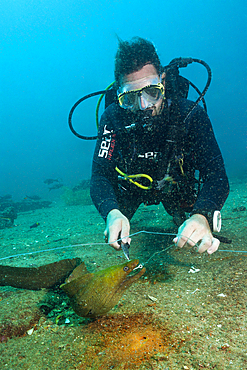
<point>54,52</point>
<point>187,311</point>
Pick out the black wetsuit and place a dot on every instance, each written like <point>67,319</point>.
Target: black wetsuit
<point>163,146</point>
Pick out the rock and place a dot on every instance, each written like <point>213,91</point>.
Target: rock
<point>7,217</point>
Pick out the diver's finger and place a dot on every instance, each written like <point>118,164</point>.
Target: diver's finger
<point>105,236</point>
<point>182,240</point>
<point>205,243</point>
<point>184,233</point>
<point>113,239</point>
<point>125,233</point>
<point>214,246</point>
<point>114,244</point>
<point>197,235</point>
<point>125,237</point>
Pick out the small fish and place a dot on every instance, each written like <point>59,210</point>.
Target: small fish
<point>33,197</point>
<point>95,294</point>
<point>50,181</point>
<point>56,186</point>
<point>239,209</point>
<point>34,225</point>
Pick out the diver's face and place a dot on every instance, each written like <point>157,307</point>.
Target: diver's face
<point>139,79</point>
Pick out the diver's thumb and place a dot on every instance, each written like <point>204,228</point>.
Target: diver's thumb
<point>126,239</point>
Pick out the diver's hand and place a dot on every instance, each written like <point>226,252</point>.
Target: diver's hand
<point>117,226</point>
<point>197,228</point>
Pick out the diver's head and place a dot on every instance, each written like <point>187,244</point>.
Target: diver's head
<point>142,90</point>
<point>132,55</point>
<point>138,76</point>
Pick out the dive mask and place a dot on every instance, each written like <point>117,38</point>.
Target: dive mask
<point>141,98</point>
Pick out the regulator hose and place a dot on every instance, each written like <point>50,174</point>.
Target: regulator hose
<point>174,65</point>
<point>72,111</point>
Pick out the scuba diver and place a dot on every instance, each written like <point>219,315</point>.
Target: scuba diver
<point>152,143</point>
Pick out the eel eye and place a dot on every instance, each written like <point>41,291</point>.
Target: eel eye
<point>126,268</point>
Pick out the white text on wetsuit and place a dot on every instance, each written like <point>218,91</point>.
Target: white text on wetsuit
<point>106,143</point>
<point>149,155</point>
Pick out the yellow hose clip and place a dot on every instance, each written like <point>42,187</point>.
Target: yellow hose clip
<point>130,177</point>
<point>181,162</point>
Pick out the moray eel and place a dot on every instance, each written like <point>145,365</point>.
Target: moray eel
<point>46,276</point>
<point>95,294</point>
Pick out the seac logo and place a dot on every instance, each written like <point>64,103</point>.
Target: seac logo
<point>107,144</point>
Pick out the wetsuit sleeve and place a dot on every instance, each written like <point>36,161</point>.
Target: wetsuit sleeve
<point>104,175</point>
<point>101,190</point>
<point>208,160</point>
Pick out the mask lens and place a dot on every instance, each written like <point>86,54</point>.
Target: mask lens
<point>149,94</point>
<point>152,94</point>
<point>128,100</point>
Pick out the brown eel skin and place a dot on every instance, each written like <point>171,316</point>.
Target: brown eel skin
<point>34,278</point>
<point>94,294</point>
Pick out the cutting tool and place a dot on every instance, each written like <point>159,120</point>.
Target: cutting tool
<point>125,249</point>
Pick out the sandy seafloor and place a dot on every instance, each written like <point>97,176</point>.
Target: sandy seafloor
<point>170,319</point>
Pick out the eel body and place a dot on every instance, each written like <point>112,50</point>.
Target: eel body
<point>34,278</point>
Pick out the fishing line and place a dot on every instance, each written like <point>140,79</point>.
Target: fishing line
<point>158,252</point>
<point>103,243</point>
<point>87,244</point>
<point>51,249</point>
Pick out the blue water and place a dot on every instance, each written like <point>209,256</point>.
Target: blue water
<point>54,52</point>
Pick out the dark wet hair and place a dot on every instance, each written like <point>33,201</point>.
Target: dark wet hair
<point>132,55</point>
